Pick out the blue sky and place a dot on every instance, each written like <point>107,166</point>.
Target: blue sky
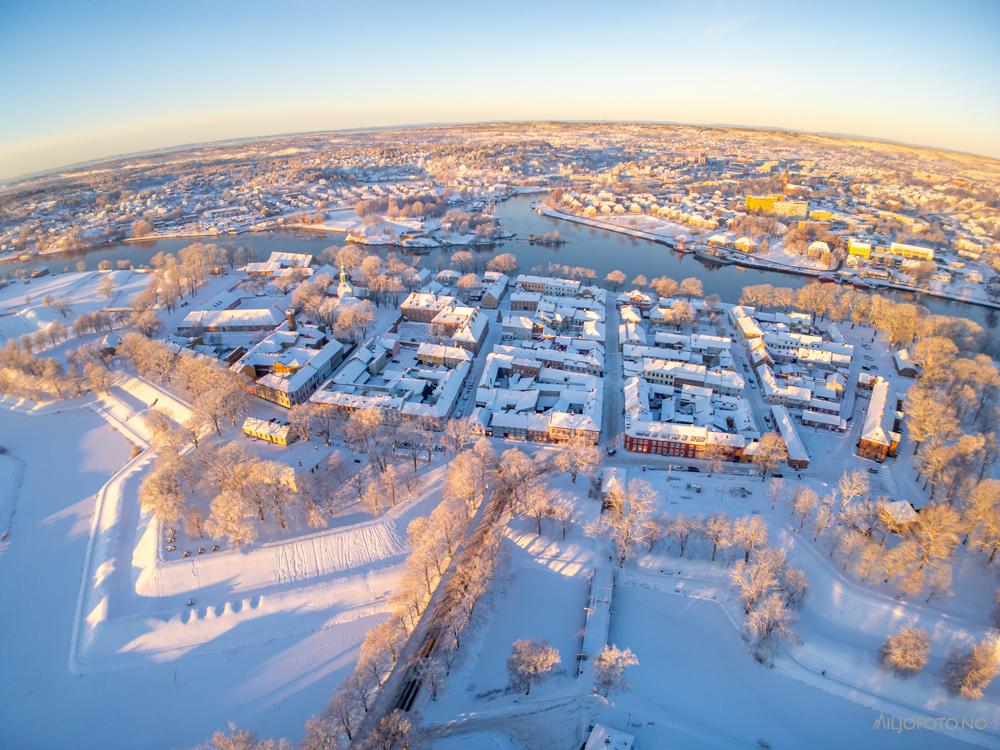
<point>83,80</point>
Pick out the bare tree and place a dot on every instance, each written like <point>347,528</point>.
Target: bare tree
<point>395,731</point>
<point>680,528</point>
<point>750,533</point>
<point>803,503</point>
<point>719,531</point>
<point>517,472</point>
<point>432,672</point>
<point>774,489</point>
<point>322,732</point>
<point>536,504</point>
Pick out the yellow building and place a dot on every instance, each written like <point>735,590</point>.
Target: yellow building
<point>762,202</point>
<point>820,215</point>
<point>746,245</point>
<point>279,434</point>
<point>790,208</point>
<point>911,251</point>
<point>856,247</point>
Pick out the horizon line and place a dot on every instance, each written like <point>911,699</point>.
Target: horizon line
<point>9,181</point>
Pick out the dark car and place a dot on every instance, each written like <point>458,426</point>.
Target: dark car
<point>695,469</point>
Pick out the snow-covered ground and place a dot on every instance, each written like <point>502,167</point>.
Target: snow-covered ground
<point>23,310</point>
<point>269,636</point>
<point>697,684</point>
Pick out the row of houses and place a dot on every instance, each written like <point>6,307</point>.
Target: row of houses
<point>399,380</point>
<point>521,398</point>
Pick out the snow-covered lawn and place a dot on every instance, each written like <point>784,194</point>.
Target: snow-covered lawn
<point>697,686</point>
<point>543,599</point>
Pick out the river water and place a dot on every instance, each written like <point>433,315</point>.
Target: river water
<point>585,246</point>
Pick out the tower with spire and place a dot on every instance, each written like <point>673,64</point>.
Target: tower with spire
<point>344,288</point>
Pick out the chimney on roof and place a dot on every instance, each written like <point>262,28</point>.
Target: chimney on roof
<point>290,317</point>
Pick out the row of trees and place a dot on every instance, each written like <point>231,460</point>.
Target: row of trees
<point>246,492</point>
<point>901,322</point>
<point>768,586</point>
<point>967,672</point>
<point>216,394</point>
<point>434,541</point>
<point>417,206</point>
<point>25,375</point>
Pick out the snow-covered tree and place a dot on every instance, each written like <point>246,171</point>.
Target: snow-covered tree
<point>609,668</point>
<point>504,263</point>
<point>530,661</point>
<point>968,673</point>
<point>578,456</point>
<point>536,504</point>
<point>680,528</point>
<point>754,580</point>
<point>768,623</point>
<point>517,473</point>
<point>394,731</point>
<point>719,531</point>
<point>616,278</point>
<point>232,517</point>
<point>938,532</point>
<point>770,453</point>
<point>906,651</point>
<point>432,672</point>
<point>749,533</point>
<point>161,492</point>
<point>322,732</point>
<point>628,522</point>
<point>803,503</point>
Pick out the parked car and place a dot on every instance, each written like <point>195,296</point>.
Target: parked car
<point>695,469</point>
<point>612,451</point>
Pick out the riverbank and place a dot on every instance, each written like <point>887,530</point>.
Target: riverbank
<point>642,234</point>
<point>756,263</point>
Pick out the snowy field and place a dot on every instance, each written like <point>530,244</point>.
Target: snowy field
<point>697,685</point>
<point>23,310</point>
